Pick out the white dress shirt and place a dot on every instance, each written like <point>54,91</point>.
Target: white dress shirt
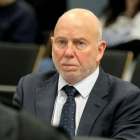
<point>84,87</point>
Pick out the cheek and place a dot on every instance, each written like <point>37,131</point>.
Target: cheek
<point>57,53</point>
<point>88,59</point>
<point>85,57</point>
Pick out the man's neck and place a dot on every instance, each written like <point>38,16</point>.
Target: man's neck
<point>6,2</point>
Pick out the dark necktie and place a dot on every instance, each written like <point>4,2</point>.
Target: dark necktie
<point>67,120</point>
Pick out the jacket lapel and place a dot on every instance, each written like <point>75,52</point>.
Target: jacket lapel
<point>94,106</point>
<point>45,99</point>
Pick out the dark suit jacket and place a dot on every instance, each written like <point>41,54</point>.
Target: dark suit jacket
<point>112,110</point>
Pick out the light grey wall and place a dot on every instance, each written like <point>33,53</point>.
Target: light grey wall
<point>95,6</point>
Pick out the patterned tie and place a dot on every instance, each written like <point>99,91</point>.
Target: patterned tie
<point>68,111</point>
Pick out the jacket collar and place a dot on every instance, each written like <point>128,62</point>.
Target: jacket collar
<point>45,98</point>
<point>94,106</point>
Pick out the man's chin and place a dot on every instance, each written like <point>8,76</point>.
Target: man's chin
<point>68,72</point>
<point>71,77</point>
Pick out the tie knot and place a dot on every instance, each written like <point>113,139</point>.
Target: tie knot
<point>70,91</point>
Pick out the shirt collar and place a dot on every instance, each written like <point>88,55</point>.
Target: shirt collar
<point>84,86</point>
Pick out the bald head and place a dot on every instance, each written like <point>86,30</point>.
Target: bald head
<point>81,17</point>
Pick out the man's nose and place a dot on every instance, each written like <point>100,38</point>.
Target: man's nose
<point>69,52</point>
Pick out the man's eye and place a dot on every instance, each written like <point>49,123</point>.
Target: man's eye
<point>80,43</point>
<point>61,42</point>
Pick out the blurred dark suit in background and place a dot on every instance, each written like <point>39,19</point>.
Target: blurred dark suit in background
<point>17,22</point>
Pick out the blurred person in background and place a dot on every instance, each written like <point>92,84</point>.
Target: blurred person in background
<point>120,23</point>
<point>17,21</point>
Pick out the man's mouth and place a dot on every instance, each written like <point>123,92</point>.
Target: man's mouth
<point>68,65</point>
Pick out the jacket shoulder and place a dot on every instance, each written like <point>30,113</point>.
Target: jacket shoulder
<point>117,84</point>
<point>39,78</point>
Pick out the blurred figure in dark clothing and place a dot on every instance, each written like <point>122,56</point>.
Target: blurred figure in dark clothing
<point>17,22</point>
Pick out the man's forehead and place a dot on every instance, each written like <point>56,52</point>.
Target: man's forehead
<point>75,29</point>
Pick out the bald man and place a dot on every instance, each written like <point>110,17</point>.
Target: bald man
<point>105,105</point>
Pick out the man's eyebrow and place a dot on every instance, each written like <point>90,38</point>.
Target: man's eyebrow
<point>80,38</point>
<point>60,37</point>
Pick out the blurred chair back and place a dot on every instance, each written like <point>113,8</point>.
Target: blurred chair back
<point>17,60</point>
<point>136,74</point>
<point>47,41</point>
<point>116,62</point>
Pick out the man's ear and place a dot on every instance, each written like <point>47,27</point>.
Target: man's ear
<point>52,39</point>
<point>101,49</point>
